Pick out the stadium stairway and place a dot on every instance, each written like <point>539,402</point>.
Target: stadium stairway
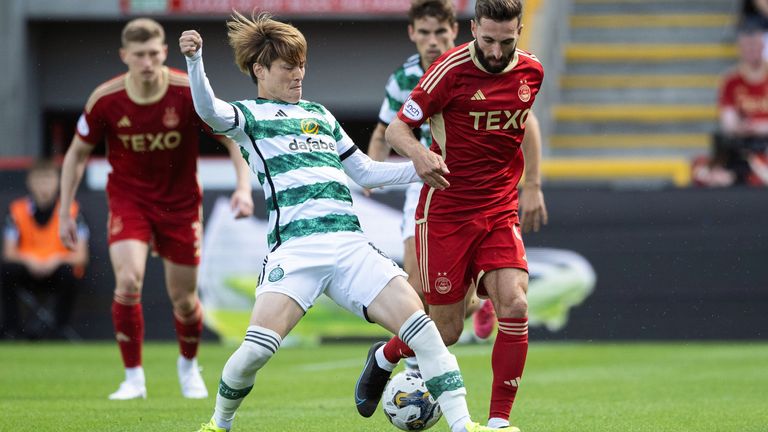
<point>638,88</point>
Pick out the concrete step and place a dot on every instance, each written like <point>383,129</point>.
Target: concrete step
<point>630,145</point>
<point>629,21</point>
<point>637,81</point>
<point>633,153</point>
<point>648,114</point>
<point>655,6</point>
<point>707,66</point>
<point>655,35</point>
<point>672,169</point>
<point>678,141</point>
<point>603,127</point>
<point>664,95</point>
<point>644,53</point>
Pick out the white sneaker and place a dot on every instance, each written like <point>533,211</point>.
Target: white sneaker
<point>190,380</point>
<point>129,390</point>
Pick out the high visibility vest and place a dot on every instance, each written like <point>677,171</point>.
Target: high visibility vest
<point>39,241</point>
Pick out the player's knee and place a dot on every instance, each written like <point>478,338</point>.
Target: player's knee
<point>515,307</point>
<point>128,282</point>
<point>183,302</point>
<point>184,305</point>
<point>451,334</point>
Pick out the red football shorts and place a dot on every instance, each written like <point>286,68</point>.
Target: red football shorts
<point>453,254</point>
<point>175,236</point>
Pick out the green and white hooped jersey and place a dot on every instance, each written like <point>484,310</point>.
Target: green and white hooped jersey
<point>296,151</point>
<point>399,86</point>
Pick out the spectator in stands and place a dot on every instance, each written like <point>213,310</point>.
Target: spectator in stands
<point>756,12</point>
<point>740,145</point>
<point>35,259</point>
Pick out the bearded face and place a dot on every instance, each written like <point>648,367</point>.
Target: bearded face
<point>495,42</point>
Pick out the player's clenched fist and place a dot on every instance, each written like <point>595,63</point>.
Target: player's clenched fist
<point>189,42</point>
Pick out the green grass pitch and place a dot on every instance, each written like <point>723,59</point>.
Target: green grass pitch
<point>579,387</point>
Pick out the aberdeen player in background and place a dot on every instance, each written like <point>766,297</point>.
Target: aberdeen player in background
<point>477,98</point>
<point>148,121</point>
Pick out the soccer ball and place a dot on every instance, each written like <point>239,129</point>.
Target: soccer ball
<point>408,404</point>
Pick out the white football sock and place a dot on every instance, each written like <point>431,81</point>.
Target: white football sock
<point>135,375</point>
<point>439,368</point>
<point>239,373</point>
<point>497,423</point>
<point>185,364</point>
<point>382,361</point>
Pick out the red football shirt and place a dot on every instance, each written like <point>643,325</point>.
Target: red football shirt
<point>749,99</point>
<point>477,120</point>
<point>152,144</point>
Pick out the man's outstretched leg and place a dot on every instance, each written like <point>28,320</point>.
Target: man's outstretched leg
<point>273,317</point>
<point>239,374</point>
<point>439,367</point>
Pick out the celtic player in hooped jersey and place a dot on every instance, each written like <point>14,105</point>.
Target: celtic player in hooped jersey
<point>302,157</point>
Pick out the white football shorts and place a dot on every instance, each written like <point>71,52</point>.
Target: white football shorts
<point>345,266</point>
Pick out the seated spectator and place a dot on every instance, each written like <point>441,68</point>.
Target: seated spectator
<point>34,259</point>
<point>740,145</point>
<point>756,12</point>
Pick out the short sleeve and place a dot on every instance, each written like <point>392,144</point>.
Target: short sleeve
<point>91,125</point>
<point>427,98</point>
<point>726,98</point>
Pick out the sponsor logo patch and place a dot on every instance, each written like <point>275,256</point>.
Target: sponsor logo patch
<point>309,126</point>
<point>412,110</point>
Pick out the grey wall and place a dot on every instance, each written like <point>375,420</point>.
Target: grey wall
<point>14,106</point>
<point>348,63</point>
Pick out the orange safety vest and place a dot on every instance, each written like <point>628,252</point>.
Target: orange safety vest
<point>40,241</point>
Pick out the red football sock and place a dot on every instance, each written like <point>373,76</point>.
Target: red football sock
<point>129,331</point>
<point>396,349</point>
<point>508,361</point>
<point>189,328</point>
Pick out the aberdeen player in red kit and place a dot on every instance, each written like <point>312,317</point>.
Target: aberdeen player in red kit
<point>151,130</point>
<point>477,98</point>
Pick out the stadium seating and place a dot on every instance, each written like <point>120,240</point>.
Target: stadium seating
<point>638,91</point>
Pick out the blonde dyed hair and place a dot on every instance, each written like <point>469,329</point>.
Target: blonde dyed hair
<point>262,40</point>
<point>141,30</point>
